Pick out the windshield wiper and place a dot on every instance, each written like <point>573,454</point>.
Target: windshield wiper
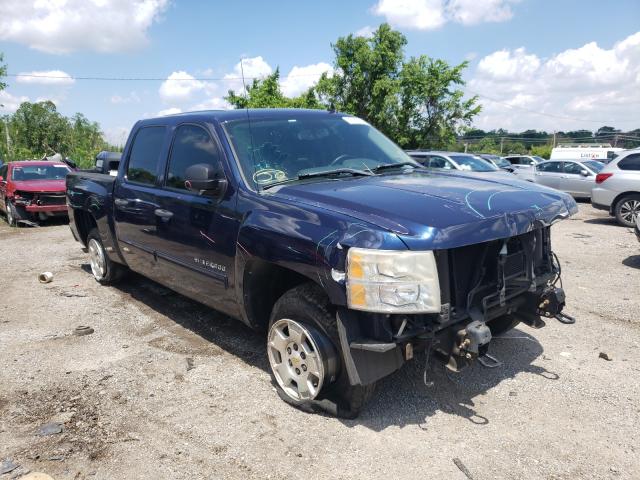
<point>336,171</point>
<point>388,166</point>
<point>322,173</point>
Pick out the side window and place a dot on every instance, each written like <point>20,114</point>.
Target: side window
<point>419,158</point>
<point>631,162</point>
<point>192,145</point>
<point>550,167</point>
<point>573,168</point>
<point>514,160</point>
<point>3,171</point>
<point>145,155</point>
<point>439,162</point>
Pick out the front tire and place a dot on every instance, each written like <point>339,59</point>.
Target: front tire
<point>104,270</point>
<point>14,215</point>
<point>626,210</point>
<point>304,318</point>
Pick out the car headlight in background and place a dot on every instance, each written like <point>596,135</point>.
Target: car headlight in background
<point>391,281</point>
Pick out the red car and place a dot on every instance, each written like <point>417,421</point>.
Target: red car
<point>32,190</point>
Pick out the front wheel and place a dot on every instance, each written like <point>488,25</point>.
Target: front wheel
<point>627,209</point>
<point>305,357</point>
<point>14,215</point>
<point>104,270</point>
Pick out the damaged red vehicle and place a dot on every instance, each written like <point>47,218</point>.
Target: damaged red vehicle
<point>32,190</point>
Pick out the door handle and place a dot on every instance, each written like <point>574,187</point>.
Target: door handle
<point>121,202</point>
<point>163,214</point>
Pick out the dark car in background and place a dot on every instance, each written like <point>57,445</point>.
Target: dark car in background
<point>316,229</point>
<point>33,190</point>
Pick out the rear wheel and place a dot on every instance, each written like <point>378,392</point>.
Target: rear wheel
<point>626,210</point>
<point>305,357</point>
<point>103,269</point>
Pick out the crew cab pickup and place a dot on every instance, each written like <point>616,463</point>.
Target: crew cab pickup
<point>314,228</point>
<point>32,190</point>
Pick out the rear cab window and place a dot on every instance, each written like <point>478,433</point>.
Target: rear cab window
<point>145,155</point>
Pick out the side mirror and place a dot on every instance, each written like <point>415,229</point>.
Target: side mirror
<point>202,178</point>
<point>584,173</point>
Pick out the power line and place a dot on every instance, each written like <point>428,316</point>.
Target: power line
<point>563,117</point>
<point>149,79</point>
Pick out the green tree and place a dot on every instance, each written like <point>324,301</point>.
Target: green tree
<point>432,110</point>
<point>266,93</point>
<point>543,151</point>
<point>366,82</point>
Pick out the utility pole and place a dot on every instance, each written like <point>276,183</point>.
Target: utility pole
<point>501,144</point>
<point>466,146</point>
<point>554,139</point>
<point>8,138</point>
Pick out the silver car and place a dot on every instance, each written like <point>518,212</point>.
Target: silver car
<point>453,161</point>
<point>575,177</point>
<point>523,165</point>
<point>617,187</point>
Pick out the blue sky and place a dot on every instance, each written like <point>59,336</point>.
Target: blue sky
<point>534,62</point>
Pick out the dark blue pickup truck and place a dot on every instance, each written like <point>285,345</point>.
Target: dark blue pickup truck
<point>313,227</point>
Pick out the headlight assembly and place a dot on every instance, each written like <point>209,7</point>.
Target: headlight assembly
<point>390,281</point>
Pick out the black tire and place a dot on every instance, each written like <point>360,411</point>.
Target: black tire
<point>307,304</point>
<point>626,209</point>
<point>502,324</point>
<point>112,272</point>
<point>15,214</point>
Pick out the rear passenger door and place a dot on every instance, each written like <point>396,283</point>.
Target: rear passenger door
<point>135,200</point>
<point>197,232</point>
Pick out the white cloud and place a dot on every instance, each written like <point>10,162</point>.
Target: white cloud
<point>213,103</point>
<point>581,87</point>
<point>300,79</point>
<point>116,135</point>
<point>63,26</point>
<point>45,77</point>
<point>418,14</point>
<point>132,97</point>
<point>366,31</point>
<point>431,14</point>
<point>9,103</point>
<point>472,12</point>
<point>169,111</point>
<point>179,86</point>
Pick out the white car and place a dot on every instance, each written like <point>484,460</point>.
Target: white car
<point>617,187</point>
<point>453,161</point>
<point>523,165</point>
<point>575,177</point>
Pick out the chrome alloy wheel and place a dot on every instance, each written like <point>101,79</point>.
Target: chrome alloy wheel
<point>629,209</point>
<point>296,359</point>
<point>96,257</point>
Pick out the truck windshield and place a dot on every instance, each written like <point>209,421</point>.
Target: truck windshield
<point>39,172</point>
<point>473,163</point>
<point>274,150</point>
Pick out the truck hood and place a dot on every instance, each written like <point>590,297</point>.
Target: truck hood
<point>439,210</point>
<point>40,185</point>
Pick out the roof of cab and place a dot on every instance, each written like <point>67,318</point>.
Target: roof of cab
<point>221,116</point>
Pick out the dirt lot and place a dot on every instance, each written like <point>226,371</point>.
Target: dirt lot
<point>166,388</point>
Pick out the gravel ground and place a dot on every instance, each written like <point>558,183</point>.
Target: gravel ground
<point>166,388</point>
